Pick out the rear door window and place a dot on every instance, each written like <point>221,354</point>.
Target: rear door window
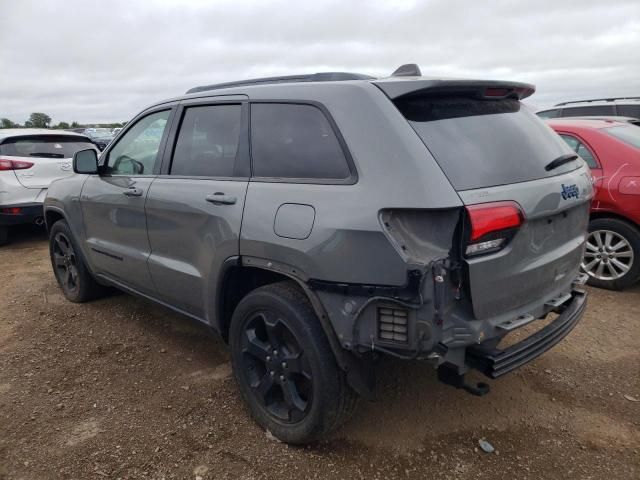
<point>208,140</point>
<point>295,141</point>
<point>483,143</point>
<point>592,110</point>
<point>46,146</point>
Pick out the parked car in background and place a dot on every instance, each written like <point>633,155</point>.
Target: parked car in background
<point>622,106</point>
<point>30,159</point>
<point>612,150</point>
<point>317,220</point>
<point>100,136</point>
<point>115,131</point>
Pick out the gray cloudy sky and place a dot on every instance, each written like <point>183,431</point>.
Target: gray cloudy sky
<point>98,61</point>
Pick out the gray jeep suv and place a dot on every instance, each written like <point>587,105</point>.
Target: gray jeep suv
<point>318,222</point>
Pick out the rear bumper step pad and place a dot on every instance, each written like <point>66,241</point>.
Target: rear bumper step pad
<point>494,363</point>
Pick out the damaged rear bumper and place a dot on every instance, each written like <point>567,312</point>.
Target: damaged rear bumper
<point>497,362</point>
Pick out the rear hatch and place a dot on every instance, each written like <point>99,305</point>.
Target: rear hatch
<point>525,219</point>
<point>41,159</point>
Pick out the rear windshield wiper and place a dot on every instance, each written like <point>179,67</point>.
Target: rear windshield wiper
<point>561,160</point>
<point>46,155</point>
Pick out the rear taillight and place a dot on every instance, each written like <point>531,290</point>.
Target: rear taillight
<point>492,226</point>
<point>6,164</point>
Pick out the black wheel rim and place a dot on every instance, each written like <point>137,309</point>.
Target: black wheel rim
<point>65,263</point>
<point>277,370</point>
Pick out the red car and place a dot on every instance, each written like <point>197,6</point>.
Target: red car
<point>612,149</point>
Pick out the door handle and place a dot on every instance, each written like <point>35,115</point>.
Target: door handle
<point>133,192</point>
<point>220,198</point>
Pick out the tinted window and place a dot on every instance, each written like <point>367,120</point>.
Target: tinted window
<point>137,150</point>
<point>208,141</point>
<point>294,141</point>
<point>586,111</point>
<point>629,134</point>
<point>549,113</point>
<point>48,146</point>
<point>482,143</point>
<point>629,110</point>
<point>581,150</point>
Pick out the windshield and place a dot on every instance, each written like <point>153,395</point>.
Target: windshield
<point>629,134</point>
<point>482,143</point>
<point>50,146</point>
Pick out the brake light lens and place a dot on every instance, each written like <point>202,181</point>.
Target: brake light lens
<point>6,164</point>
<point>492,226</point>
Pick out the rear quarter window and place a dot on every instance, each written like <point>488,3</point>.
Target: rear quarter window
<point>53,146</point>
<point>481,143</point>
<point>295,141</point>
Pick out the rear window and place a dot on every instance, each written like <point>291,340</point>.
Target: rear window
<point>588,111</point>
<point>483,143</point>
<point>295,141</point>
<point>629,134</point>
<point>52,146</point>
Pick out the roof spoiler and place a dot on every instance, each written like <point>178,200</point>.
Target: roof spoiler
<point>395,88</point>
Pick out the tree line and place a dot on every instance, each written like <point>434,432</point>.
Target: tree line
<point>42,120</point>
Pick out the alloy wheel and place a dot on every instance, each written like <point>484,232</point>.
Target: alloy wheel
<point>608,255</point>
<point>65,262</point>
<point>278,372</point>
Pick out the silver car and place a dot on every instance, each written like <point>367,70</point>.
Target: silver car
<point>30,159</point>
<point>318,222</point>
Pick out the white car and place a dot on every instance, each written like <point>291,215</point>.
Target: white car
<point>30,159</point>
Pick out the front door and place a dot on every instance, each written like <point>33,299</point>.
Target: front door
<point>194,209</point>
<point>113,203</point>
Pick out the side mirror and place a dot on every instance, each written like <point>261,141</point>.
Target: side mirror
<point>85,161</point>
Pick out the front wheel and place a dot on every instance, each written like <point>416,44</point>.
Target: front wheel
<point>69,268</point>
<point>284,365</point>
<point>612,254</point>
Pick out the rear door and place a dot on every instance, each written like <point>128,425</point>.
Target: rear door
<point>51,156</point>
<point>113,203</point>
<point>496,150</point>
<point>194,208</point>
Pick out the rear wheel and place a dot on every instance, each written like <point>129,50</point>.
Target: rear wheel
<point>69,268</point>
<point>284,366</point>
<point>612,254</point>
<point>4,235</point>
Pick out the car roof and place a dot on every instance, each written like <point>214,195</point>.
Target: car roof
<point>588,123</point>
<point>600,101</point>
<point>406,80</point>
<point>21,132</point>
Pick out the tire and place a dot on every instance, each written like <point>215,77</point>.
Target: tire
<point>69,267</point>
<point>284,366</point>
<point>612,256</point>
<point>4,235</point>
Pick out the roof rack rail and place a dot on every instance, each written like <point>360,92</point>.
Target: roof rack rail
<point>313,77</point>
<point>610,99</point>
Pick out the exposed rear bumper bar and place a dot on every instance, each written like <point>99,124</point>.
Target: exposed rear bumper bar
<point>495,363</point>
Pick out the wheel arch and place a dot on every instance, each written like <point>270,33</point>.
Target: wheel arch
<point>241,275</point>
<point>599,215</point>
<point>52,215</point>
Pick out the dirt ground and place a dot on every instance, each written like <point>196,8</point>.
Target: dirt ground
<point>121,388</point>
